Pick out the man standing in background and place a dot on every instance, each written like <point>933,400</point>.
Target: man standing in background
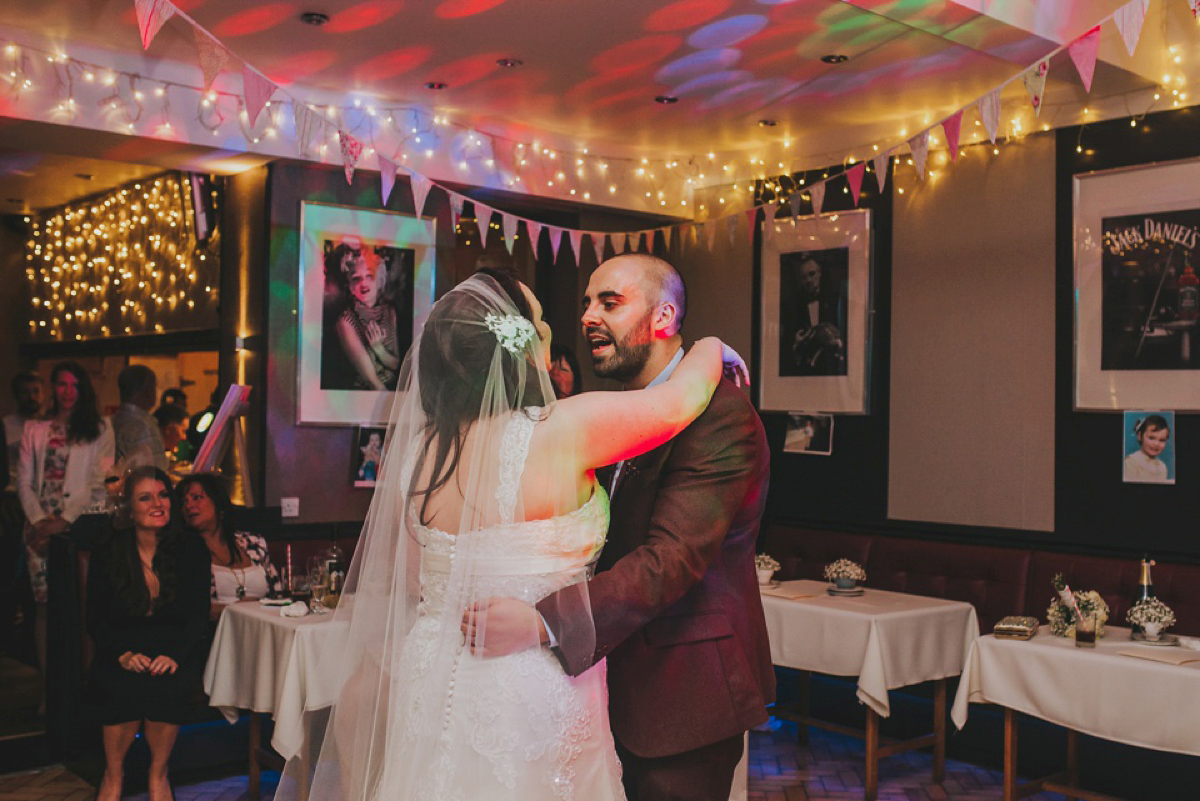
<point>137,438</point>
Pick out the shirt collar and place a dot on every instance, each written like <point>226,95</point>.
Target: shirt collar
<point>666,371</point>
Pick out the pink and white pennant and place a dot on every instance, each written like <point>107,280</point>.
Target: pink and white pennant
<point>151,16</point>
<point>1083,52</point>
<point>387,178</point>
<point>257,90</point>
<point>989,111</point>
<point>1195,4</point>
<point>881,169</point>
<point>508,224</point>
<point>1129,19</point>
<point>817,193</point>
<point>919,147</point>
<point>307,124</point>
<point>854,177</point>
<point>952,125</point>
<point>555,235</point>
<point>598,243</point>
<point>483,219</point>
<point>351,150</point>
<point>534,229</point>
<point>1035,84</point>
<point>211,54</point>
<point>576,241</point>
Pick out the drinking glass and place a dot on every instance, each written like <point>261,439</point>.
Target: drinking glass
<point>1085,630</point>
<point>318,582</point>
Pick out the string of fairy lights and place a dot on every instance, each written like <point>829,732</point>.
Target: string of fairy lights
<point>123,262</point>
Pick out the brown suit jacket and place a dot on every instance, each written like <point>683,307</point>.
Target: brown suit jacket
<point>675,598</point>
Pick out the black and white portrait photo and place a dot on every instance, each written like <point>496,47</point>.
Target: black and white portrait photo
<point>812,312</point>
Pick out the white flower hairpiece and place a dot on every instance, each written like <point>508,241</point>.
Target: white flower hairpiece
<point>513,331</point>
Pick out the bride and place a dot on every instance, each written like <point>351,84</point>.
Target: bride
<point>487,489</point>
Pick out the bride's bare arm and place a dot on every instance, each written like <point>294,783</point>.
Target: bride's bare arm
<point>609,426</point>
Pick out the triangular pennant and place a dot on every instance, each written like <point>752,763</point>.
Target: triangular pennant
<point>1035,84</point>
<point>694,233</point>
<point>768,224</point>
<point>919,147</point>
<point>751,216</point>
<point>535,234</point>
<point>456,207</point>
<point>668,234</point>
<point>598,244</point>
<point>881,168</point>
<point>710,231</point>
<point>420,190</point>
<point>952,125</point>
<point>307,123</point>
<point>1195,4</point>
<point>796,201</point>
<point>731,228</point>
<point>212,56</point>
<point>1083,52</point>
<point>1129,19</point>
<point>387,178</point>
<point>576,237</point>
<point>989,111</point>
<point>151,14</point>
<point>351,150</point>
<point>257,90</point>
<point>508,224</point>
<point>483,219</point>
<point>854,177</point>
<point>817,193</point>
<point>555,235</point>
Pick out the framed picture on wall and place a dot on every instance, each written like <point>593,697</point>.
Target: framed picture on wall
<point>366,286</point>
<point>814,348</point>
<point>1137,300</point>
<point>366,455</point>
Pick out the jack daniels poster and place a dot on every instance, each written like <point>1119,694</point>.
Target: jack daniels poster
<point>1149,291</point>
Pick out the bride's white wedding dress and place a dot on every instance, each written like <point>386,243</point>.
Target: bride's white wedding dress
<point>513,727</point>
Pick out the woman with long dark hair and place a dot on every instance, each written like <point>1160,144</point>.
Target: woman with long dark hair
<point>147,612</point>
<point>241,567</point>
<point>64,458</point>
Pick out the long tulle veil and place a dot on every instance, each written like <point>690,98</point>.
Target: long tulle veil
<point>479,362</point>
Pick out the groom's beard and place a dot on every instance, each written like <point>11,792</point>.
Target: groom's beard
<point>629,353</point>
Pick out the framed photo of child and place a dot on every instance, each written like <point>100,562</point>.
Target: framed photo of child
<point>1147,448</point>
<point>366,456</point>
<point>366,285</point>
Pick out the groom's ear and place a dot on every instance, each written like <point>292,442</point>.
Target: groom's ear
<point>665,321</point>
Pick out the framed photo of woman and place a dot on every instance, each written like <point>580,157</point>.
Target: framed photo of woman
<point>366,284</point>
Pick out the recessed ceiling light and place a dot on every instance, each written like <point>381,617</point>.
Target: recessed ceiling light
<point>666,100</point>
<point>435,85</point>
<point>835,58</point>
<point>509,62</point>
<point>314,18</point>
<point>768,123</point>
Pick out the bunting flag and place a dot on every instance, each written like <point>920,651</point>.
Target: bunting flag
<point>387,178</point>
<point>576,237</point>
<point>1083,52</point>
<point>508,224</point>
<point>151,15</point>
<point>668,232</point>
<point>989,110</point>
<point>351,150</point>
<point>881,168</point>
<point>952,125</point>
<point>456,207</point>
<point>1129,19</point>
<point>751,216</point>
<point>212,57</point>
<point>257,91</point>
<point>483,219</point>
<point>555,240</point>
<point>1035,85</point>
<point>598,244</point>
<point>307,124</point>
<point>534,229</point>
<point>710,231</point>
<point>796,201</point>
<point>854,177</point>
<point>817,193</point>
<point>1195,4</point>
<point>731,228</point>
<point>919,147</point>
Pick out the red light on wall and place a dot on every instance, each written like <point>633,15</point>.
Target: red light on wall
<point>454,9</point>
<point>685,14</point>
<point>364,15</point>
<point>254,20</point>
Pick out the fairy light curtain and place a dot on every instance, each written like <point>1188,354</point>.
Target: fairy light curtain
<point>125,262</point>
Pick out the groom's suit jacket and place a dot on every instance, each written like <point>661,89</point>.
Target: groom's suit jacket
<point>675,598</point>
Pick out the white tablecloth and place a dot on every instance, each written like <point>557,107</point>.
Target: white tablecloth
<point>887,639</point>
<point>1092,690</point>
<point>267,663</point>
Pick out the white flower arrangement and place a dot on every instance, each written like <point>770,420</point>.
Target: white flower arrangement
<point>1062,618</point>
<point>845,569</point>
<point>765,561</point>
<point>1151,610</point>
<point>512,330</point>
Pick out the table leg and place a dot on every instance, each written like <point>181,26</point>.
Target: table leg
<point>804,686</point>
<point>871,783</point>
<point>1010,754</point>
<point>1072,760</point>
<point>254,771</point>
<point>939,731</point>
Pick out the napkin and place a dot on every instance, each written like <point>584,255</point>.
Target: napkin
<point>790,593</point>
<point>293,610</point>
<point>1169,655</point>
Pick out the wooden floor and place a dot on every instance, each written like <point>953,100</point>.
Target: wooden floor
<point>829,768</point>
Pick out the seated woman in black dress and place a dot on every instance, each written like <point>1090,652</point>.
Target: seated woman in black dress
<point>147,610</point>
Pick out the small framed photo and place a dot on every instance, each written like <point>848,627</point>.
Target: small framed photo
<point>1147,448</point>
<point>366,457</point>
<point>809,432</point>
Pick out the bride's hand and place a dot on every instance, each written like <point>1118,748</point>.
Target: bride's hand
<point>734,366</point>
<point>501,626</point>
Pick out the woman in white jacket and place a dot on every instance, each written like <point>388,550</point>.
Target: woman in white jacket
<point>64,459</point>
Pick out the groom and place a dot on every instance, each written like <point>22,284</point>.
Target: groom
<point>675,599</point>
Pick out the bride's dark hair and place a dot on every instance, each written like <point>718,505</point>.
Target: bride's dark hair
<point>455,358</point>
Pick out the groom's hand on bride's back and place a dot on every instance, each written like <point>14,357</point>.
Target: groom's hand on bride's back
<point>501,626</point>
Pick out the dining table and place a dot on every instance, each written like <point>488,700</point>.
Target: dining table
<point>886,640</point>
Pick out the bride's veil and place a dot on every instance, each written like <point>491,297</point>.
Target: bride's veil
<point>452,453</point>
